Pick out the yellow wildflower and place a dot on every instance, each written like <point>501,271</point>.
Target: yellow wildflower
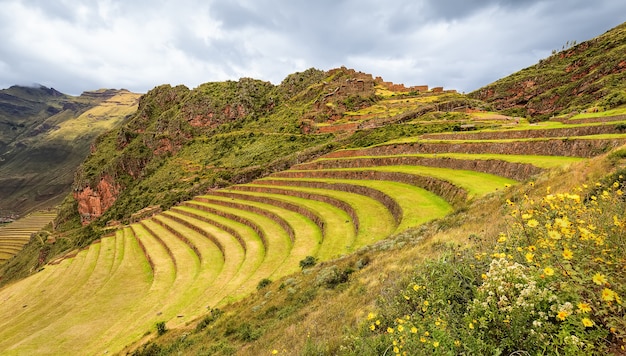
<point>413,330</point>
<point>532,223</point>
<point>587,322</point>
<point>548,271</point>
<point>396,350</point>
<point>400,328</point>
<point>529,257</point>
<point>390,330</point>
<point>608,295</point>
<point>527,216</point>
<point>416,287</point>
<point>274,352</point>
<point>457,343</point>
<point>562,314</point>
<point>568,254</point>
<point>426,303</point>
<point>584,307</point>
<point>422,339</point>
<point>599,279</point>
<point>372,327</point>
<point>436,344</point>
<point>555,235</point>
<point>471,326</point>
<point>371,316</point>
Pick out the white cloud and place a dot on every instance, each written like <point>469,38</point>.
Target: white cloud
<point>83,45</point>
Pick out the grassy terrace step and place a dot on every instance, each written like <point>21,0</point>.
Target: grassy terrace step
<point>119,278</point>
<point>10,243</point>
<point>276,240</point>
<point>123,297</point>
<point>277,191</point>
<point>452,193</point>
<point>159,258</point>
<point>589,118</point>
<point>20,231</point>
<point>80,299</point>
<point>27,299</point>
<point>545,162</point>
<point>301,209</point>
<point>199,264</point>
<point>57,304</point>
<point>307,236</point>
<point>513,170</point>
<point>414,205</point>
<point>252,208</point>
<point>231,253</point>
<point>392,206</point>
<point>335,224</point>
<point>530,132</point>
<point>374,219</point>
<point>252,246</point>
<point>474,183</point>
<point>589,146</point>
<point>186,266</point>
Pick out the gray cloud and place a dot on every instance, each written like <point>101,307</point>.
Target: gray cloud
<point>461,44</point>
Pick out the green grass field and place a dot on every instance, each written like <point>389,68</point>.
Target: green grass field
<point>338,226</point>
<point>536,160</point>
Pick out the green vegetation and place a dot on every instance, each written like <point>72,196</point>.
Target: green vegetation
<point>539,161</point>
<point>423,238</point>
<point>566,83</point>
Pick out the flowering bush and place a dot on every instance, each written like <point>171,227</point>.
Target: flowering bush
<point>552,285</point>
<point>574,250</point>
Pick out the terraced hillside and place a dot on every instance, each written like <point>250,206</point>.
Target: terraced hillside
<point>218,247</point>
<point>15,235</point>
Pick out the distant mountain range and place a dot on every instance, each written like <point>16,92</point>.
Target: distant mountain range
<point>44,135</point>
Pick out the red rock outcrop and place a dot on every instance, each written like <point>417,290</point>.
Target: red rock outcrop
<point>93,202</point>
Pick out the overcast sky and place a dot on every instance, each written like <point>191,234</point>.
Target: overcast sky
<point>75,46</point>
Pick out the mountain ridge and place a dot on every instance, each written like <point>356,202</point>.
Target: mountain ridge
<point>41,143</point>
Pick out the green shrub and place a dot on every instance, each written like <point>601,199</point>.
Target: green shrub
<point>331,276</point>
<point>307,262</point>
<point>161,328</point>
<point>263,283</point>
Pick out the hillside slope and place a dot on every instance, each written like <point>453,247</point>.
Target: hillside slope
<point>45,135</point>
<point>590,75</point>
<point>182,142</point>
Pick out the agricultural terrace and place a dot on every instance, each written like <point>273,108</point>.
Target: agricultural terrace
<point>15,235</point>
<point>219,247</point>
